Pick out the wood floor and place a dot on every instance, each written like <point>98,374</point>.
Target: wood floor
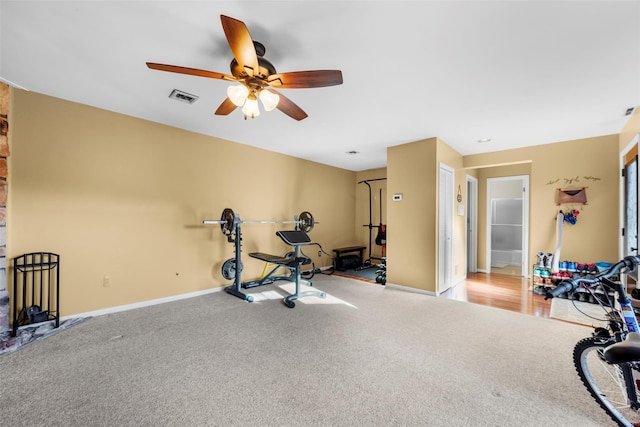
<point>505,291</point>
<point>502,291</point>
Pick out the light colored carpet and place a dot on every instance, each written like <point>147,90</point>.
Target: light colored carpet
<point>371,356</point>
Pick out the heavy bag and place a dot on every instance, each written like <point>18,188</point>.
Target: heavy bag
<point>381,238</point>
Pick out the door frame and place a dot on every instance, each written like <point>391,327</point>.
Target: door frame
<point>525,221</point>
<point>445,213</point>
<point>472,222</point>
<point>621,220</point>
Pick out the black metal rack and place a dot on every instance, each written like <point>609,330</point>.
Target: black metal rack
<point>370,225</point>
<point>38,276</point>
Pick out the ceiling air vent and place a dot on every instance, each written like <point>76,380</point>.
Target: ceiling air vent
<point>629,111</point>
<point>183,96</point>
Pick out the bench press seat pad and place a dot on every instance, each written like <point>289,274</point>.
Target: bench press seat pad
<point>276,259</point>
<point>294,237</point>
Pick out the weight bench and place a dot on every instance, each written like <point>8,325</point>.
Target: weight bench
<point>295,238</point>
<point>287,261</point>
<point>275,259</point>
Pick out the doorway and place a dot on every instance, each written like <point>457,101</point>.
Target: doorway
<point>508,225</point>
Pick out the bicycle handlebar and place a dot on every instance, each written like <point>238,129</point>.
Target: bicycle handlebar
<point>629,263</point>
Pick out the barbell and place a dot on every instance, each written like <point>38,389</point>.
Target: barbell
<point>228,221</point>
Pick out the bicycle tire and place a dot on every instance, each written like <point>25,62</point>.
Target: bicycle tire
<point>604,381</point>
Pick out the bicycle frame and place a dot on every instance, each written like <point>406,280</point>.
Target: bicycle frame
<point>622,321</point>
<point>631,323</point>
<point>604,280</point>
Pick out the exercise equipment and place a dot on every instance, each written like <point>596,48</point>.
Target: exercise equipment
<point>297,238</point>
<point>231,226</point>
<point>348,262</point>
<point>228,219</point>
<point>381,238</point>
<point>343,261</point>
<point>381,272</point>
<point>229,269</point>
<point>367,262</point>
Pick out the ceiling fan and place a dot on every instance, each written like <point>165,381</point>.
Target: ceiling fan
<point>257,76</point>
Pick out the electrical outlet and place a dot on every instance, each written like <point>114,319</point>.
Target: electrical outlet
<point>106,282</point>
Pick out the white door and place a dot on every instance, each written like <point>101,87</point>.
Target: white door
<point>445,228</point>
<point>472,224</point>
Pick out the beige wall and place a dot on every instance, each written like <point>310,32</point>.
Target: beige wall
<point>125,198</point>
<point>413,170</point>
<point>411,256</point>
<point>589,162</point>
<point>362,208</point>
<point>122,197</point>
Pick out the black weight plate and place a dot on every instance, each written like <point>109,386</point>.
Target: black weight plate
<point>306,221</point>
<point>228,226</point>
<point>229,269</point>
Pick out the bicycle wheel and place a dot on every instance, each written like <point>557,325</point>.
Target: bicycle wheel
<point>605,382</point>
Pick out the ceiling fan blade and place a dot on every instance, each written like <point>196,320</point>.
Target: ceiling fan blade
<point>241,43</point>
<point>190,71</point>
<point>305,79</point>
<point>226,107</point>
<point>288,107</point>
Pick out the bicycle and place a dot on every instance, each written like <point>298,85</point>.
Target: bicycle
<point>608,362</point>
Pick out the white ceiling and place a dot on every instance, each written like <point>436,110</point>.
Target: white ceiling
<point>519,72</point>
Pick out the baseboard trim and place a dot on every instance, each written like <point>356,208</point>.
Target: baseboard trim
<point>141,304</point>
<point>410,289</point>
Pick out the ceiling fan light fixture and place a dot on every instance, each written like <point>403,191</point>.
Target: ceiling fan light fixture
<point>252,73</point>
<point>250,108</point>
<point>269,100</point>
<point>238,94</point>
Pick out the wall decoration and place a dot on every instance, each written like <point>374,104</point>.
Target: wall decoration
<point>571,180</point>
<point>570,196</point>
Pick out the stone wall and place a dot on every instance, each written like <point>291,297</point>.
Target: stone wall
<point>4,172</point>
